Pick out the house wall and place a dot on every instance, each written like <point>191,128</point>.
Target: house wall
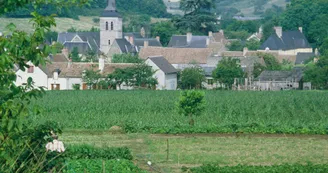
<point>106,35</point>
<point>38,76</point>
<point>114,49</point>
<point>159,75</point>
<point>275,85</point>
<point>295,51</point>
<point>171,81</point>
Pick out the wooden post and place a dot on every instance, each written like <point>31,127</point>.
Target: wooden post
<point>103,167</point>
<point>167,151</point>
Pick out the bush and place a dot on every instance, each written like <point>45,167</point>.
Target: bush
<point>90,152</point>
<point>98,165</point>
<point>76,86</point>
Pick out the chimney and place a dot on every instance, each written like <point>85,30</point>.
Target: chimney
<point>101,64</point>
<point>245,50</point>
<point>69,65</point>
<point>65,52</point>
<point>300,29</point>
<point>207,41</point>
<point>210,33</point>
<point>189,37</point>
<point>146,43</point>
<point>278,30</point>
<point>158,38</point>
<point>131,39</point>
<point>143,32</point>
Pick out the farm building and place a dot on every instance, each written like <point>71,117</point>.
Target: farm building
<point>281,80</point>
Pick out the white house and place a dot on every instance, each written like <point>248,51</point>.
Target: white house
<point>165,74</point>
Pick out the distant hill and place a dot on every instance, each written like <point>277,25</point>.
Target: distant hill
<point>235,7</point>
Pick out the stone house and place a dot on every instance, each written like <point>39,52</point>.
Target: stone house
<point>165,73</point>
<point>287,42</point>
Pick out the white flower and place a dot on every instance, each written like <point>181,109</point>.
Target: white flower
<point>149,163</point>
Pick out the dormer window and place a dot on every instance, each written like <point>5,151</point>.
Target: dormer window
<point>112,25</point>
<point>106,26</point>
<point>30,69</point>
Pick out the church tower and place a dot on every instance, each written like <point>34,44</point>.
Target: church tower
<point>110,26</point>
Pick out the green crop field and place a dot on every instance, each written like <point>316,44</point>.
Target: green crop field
<point>155,111</point>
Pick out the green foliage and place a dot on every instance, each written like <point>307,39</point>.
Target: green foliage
<point>76,86</point>
<point>211,168</point>
<point>317,73</point>
<point>138,76</point>
<point>227,70</point>
<point>91,77</point>
<point>311,15</point>
<point>235,46</point>
<point>153,111</point>
<point>22,145</point>
<point>253,44</point>
<point>98,165</point>
<point>324,47</point>
<point>165,30</point>
<point>198,16</point>
<point>136,22</point>
<point>192,78</point>
<point>271,62</point>
<point>258,69</point>
<point>191,103</point>
<point>91,56</point>
<point>75,152</point>
<point>75,55</point>
<point>126,58</point>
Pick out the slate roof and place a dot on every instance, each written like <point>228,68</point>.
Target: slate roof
<point>180,41</point>
<point>290,40</point>
<point>163,64</point>
<point>76,69</point>
<point>91,38</point>
<point>125,46</point>
<point>151,42</point>
<point>294,75</point>
<point>301,58</point>
<point>132,34</point>
<point>107,13</point>
<point>82,47</point>
<point>177,55</point>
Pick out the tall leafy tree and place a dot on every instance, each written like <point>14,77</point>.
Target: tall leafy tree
<point>165,30</point>
<point>317,73</point>
<point>227,70</point>
<point>22,146</point>
<point>192,78</point>
<point>91,77</point>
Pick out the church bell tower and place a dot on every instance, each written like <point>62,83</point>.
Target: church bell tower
<point>110,26</point>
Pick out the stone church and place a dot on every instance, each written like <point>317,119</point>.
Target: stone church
<point>111,39</point>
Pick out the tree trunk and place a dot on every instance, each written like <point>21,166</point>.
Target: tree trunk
<point>191,120</point>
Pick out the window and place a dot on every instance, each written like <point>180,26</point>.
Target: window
<point>108,42</point>
<point>30,69</point>
<point>106,26</point>
<point>112,25</point>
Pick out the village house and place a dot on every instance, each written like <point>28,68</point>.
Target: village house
<point>165,73</point>
<point>62,75</point>
<point>287,42</point>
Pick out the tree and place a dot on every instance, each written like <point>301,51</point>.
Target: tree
<point>324,47</point>
<point>192,77</point>
<point>253,44</point>
<point>271,62</point>
<point>91,77</point>
<point>75,55</point>
<point>317,73</point>
<point>227,70</point>
<point>235,46</point>
<point>191,103</point>
<point>22,145</point>
<point>126,58</point>
<point>165,30</point>
<point>91,56</point>
<point>258,69</point>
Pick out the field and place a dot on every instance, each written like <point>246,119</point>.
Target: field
<point>223,150</point>
<point>155,112</point>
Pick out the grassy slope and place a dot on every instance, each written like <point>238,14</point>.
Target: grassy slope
<point>195,150</point>
<point>155,111</point>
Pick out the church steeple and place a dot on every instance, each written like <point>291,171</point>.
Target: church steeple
<point>111,5</point>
